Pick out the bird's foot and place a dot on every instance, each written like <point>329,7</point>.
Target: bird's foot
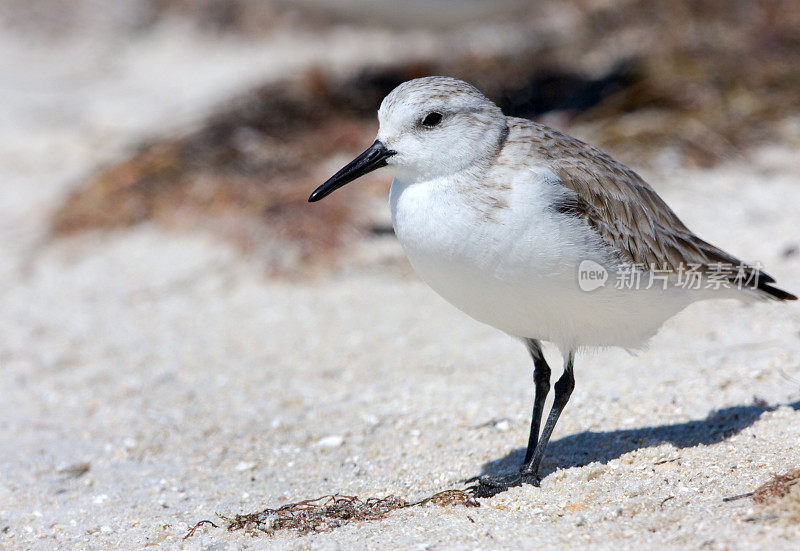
<point>488,486</point>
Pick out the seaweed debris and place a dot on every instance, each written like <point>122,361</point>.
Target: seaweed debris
<point>779,498</point>
<point>779,487</point>
<point>329,512</point>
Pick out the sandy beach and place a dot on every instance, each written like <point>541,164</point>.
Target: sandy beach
<point>153,378</point>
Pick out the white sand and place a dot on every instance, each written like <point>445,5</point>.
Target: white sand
<point>189,384</point>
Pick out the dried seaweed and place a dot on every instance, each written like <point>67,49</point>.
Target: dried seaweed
<point>451,498</point>
<point>326,513</point>
<point>777,488</point>
<point>192,530</point>
<point>316,515</point>
<point>779,498</point>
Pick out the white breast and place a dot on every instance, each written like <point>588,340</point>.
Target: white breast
<point>515,267</point>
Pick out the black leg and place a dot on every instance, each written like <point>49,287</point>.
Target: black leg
<point>541,381</point>
<point>563,389</point>
<point>529,473</point>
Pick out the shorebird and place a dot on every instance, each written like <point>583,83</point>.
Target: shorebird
<point>537,234</point>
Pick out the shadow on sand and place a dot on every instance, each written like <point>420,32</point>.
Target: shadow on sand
<point>586,447</point>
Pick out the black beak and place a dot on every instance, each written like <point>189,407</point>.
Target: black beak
<point>373,158</point>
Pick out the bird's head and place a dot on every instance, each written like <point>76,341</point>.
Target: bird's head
<point>429,127</point>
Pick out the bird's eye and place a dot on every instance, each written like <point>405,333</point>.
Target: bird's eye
<point>432,119</point>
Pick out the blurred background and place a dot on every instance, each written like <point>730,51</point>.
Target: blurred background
<point>177,324</point>
<point>223,114</point>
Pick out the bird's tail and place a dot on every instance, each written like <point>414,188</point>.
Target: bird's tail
<point>763,288</point>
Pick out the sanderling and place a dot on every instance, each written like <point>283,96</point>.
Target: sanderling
<point>537,234</point>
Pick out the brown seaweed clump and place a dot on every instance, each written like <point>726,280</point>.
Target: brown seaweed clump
<point>244,175</point>
<point>778,488</point>
<point>326,513</point>
<point>779,498</point>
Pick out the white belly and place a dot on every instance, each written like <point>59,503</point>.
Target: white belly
<point>517,270</point>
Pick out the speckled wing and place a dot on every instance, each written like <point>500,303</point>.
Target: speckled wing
<point>631,217</point>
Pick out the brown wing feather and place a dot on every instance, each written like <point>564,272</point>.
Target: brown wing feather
<point>630,216</point>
